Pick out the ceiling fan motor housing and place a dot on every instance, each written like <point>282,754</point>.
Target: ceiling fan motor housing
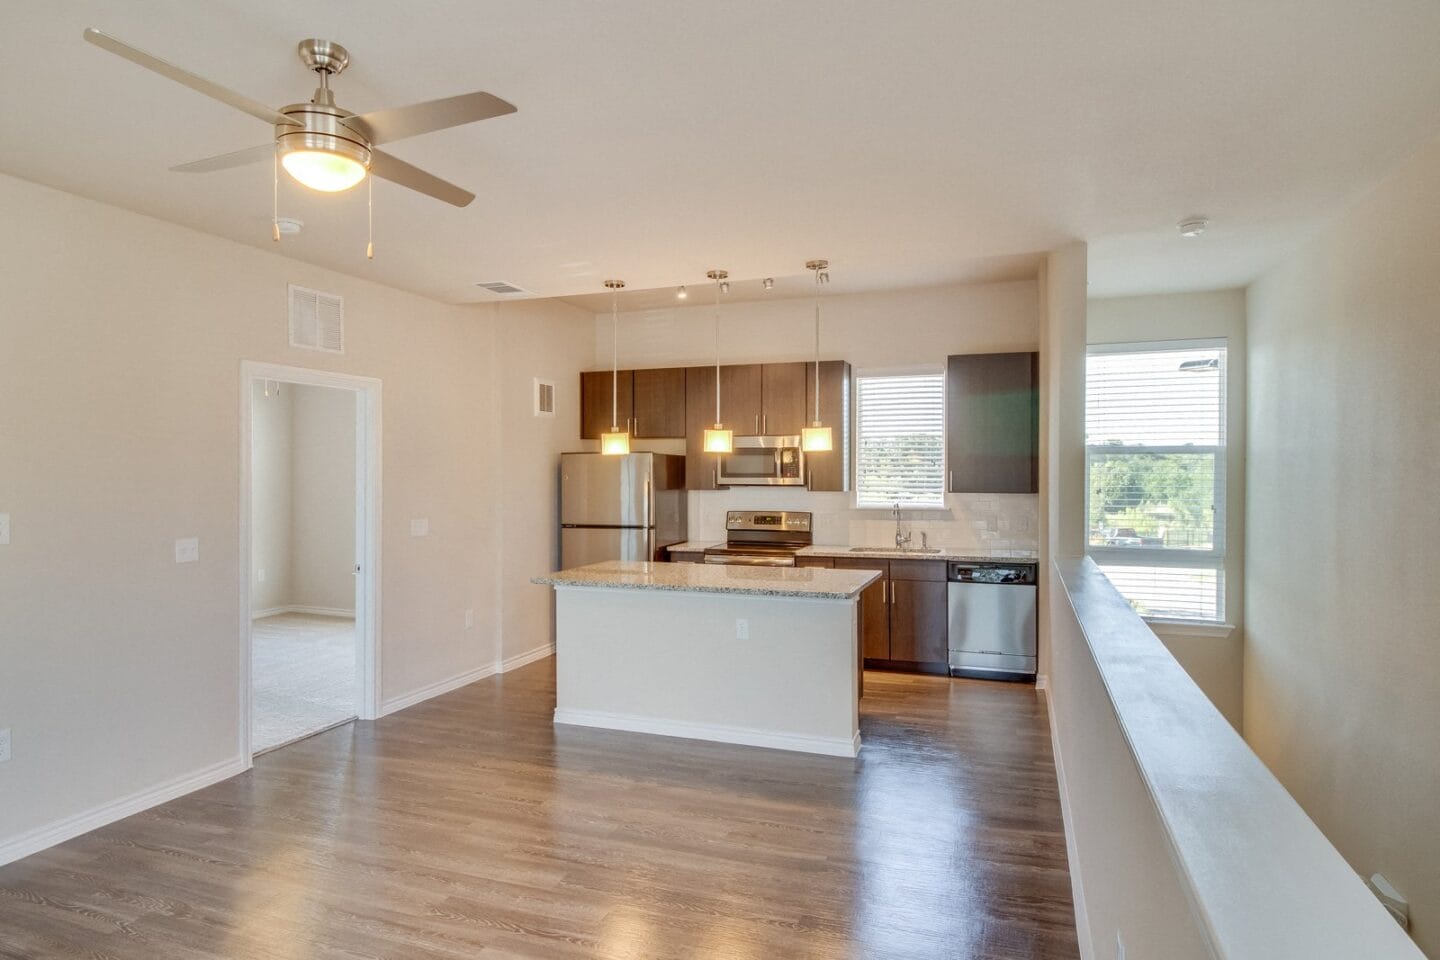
<point>321,128</point>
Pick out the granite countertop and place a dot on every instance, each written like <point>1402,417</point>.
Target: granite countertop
<point>693,546</point>
<point>808,583</point>
<point>943,553</point>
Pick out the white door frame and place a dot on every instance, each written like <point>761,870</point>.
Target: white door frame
<point>367,528</point>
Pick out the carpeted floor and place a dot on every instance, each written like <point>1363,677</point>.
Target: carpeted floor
<point>302,677</point>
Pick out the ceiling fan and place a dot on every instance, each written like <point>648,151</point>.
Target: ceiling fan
<point>321,145</point>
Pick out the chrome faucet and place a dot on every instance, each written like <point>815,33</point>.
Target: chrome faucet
<point>902,540</point>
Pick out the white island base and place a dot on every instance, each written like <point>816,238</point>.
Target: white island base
<point>669,661</point>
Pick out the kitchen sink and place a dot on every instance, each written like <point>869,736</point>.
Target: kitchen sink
<point>894,549</point>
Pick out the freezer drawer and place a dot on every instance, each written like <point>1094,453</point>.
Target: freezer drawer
<point>992,629</point>
<point>582,545</point>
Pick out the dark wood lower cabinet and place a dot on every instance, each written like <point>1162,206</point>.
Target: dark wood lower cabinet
<point>904,616</point>
<point>919,621</point>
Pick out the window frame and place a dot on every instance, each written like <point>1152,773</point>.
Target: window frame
<point>882,373</point>
<point>1176,557</point>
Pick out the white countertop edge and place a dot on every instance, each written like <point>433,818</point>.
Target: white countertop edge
<point>1265,881</point>
<point>692,579</point>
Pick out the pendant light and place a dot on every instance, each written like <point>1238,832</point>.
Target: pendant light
<point>617,441</point>
<point>717,438</point>
<point>816,438</point>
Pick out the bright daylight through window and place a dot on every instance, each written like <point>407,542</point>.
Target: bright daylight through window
<point>900,449</point>
<point>1155,473</point>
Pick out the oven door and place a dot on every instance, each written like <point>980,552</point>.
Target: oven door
<point>763,461</point>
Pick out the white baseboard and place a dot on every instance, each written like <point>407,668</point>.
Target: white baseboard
<point>1042,682</point>
<point>297,608</point>
<point>43,837</point>
<point>526,658</point>
<point>435,689</point>
<point>323,611</point>
<point>1072,853</point>
<point>745,736</point>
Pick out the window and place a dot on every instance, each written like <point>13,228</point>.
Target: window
<point>1155,474</point>
<point>900,454</point>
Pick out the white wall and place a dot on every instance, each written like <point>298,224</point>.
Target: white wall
<point>120,346</point>
<point>270,492</point>
<point>550,340</point>
<point>888,330</point>
<point>1214,661</point>
<point>322,538</point>
<point>1342,664</point>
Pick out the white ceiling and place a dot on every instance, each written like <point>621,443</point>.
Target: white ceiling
<point>910,143</point>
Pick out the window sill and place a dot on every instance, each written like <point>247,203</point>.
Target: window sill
<point>1190,628</point>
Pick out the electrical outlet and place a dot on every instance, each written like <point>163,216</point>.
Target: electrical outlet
<point>469,619</point>
<point>4,745</point>
<point>260,575</point>
<point>4,529</point>
<point>1119,946</point>
<point>187,550</point>
<point>420,527</point>
<point>742,629</point>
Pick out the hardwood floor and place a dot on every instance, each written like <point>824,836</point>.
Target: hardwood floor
<point>470,826</point>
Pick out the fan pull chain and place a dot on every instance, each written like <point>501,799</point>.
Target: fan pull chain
<point>370,247</point>
<point>275,199</point>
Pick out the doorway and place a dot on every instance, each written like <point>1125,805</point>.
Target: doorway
<point>309,553</point>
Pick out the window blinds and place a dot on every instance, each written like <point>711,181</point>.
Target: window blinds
<point>1155,465</point>
<point>900,455</point>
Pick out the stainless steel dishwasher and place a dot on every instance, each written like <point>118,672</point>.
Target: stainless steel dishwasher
<point>992,620</point>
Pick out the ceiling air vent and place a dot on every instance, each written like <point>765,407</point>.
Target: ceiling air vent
<point>502,288</point>
<point>317,320</point>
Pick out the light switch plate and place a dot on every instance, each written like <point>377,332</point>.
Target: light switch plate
<point>742,629</point>
<point>469,619</point>
<point>187,550</point>
<point>4,529</point>
<point>420,527</point>
<point>4,745</point>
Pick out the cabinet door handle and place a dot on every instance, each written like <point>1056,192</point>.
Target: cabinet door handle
<point>634,426</point>
<point>952,481</point>
<point>765,423</point>
<point>757,423</point>
<point>714,477</point>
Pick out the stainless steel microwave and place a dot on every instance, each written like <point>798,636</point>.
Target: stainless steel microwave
<point>763,461</point>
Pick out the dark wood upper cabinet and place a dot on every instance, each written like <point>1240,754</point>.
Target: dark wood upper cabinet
<point>595,402</point>
<point>919,621</point>
<point>659,403</point>
<point>699,416</point>
<point>783,396</point>
<point>830,471</point>
<point>992,423</point>
<point>742,398</point>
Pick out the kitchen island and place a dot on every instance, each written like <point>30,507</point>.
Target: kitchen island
<point>763,656</point>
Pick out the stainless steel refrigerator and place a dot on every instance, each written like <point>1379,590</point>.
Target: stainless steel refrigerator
<point>620,507</point>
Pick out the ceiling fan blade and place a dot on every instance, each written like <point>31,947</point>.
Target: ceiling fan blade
<point>395,170</point>
<point>255,108</point>
<point>384,126</point>
<point>225,161</point>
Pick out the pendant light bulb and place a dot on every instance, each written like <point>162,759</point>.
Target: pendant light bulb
<point>717,438</point>
<point>817,438</point>
<point>616,442</point>
<point>681,294</point>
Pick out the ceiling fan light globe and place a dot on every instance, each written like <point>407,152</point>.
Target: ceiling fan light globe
<point>322,170</point>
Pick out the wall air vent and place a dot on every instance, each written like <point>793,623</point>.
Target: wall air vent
<point>544,398</point>
<point>317,320</point>
<point>502,288</point>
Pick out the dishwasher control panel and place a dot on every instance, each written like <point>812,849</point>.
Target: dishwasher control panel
<point>1019,574</point>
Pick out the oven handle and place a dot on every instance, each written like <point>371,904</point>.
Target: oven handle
<point>732,560</point>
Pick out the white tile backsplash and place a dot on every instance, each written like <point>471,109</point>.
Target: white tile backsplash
<point>970,521</point>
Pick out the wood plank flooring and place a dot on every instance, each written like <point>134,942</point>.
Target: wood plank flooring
<point>470,826</point>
